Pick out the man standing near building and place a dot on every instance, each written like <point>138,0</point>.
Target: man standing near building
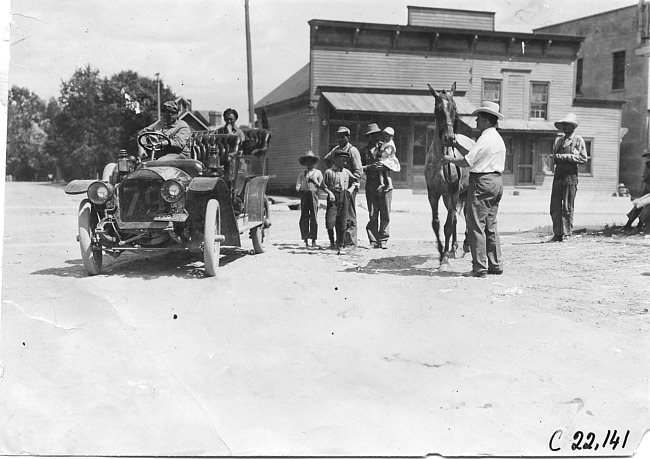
<point>568,151</point>
<point>486,161</point>
<point>354,165</point>
<point>378,201</point>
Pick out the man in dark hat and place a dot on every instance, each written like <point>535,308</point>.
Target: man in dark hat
<point>177,130</point>
<point>378,202</point>
<point>230,117</point>
<point>308,186</point>
<point>354,166</point>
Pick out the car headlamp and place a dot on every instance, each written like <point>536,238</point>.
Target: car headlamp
<point>172,191</point>
<point>100,192</point>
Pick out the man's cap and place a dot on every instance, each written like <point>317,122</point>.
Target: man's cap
<point>231,111</point>
<point>341,153</point>
<point>570,118</point>
<point>170,106</point>
<point>308,156</point>
<point>372,128</point>
<point>490,107</point>
<point>389,131</point>
<point>343,130</point>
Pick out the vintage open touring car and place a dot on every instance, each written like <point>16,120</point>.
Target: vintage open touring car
<point>196,205</point>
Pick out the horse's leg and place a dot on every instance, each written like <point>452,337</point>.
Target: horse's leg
<point>434,198</point>
<point>450,226</point>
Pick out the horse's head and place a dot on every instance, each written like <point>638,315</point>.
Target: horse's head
<point>445,114</point>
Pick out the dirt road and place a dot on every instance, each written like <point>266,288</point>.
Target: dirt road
<point>304,352</point>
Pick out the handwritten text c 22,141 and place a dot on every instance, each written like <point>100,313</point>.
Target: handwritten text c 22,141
<point>587,441</point>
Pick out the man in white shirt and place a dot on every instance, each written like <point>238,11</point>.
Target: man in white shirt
<point>486,161</point>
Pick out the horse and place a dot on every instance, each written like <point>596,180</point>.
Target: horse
<point>447,181</point>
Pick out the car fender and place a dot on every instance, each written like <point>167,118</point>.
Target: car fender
<point>202,189</point>
<point>254,200</point>
<point>78,186</point>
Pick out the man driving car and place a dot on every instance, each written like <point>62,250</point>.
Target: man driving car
<point>176,130</point>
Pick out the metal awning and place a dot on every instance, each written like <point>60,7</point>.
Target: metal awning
<point>400,104</point>
<point>411,104</point>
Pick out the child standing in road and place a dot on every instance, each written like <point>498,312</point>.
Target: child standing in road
<point>307,186</point>
<point>389,161</point>
<point>338,183</point>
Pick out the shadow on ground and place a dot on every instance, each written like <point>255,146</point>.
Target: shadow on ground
<point>147,267</point>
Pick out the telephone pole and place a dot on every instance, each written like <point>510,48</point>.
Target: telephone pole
<point>249,61</point>
<point>158,83</point>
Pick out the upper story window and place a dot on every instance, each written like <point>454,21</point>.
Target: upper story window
<point>492,91</point>
<point>539,100</point>
<point>579,76</point>
<point>618,72</point>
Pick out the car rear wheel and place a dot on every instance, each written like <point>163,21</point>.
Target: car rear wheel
<point>260,234</point>
<point>211,241</point>
<point>91,251</point>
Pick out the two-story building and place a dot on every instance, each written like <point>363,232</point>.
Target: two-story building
<point>613,64</point>
<point>361,72</point>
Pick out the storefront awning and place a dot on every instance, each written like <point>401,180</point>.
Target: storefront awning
<point>410,104</point>
<point>400,104</point>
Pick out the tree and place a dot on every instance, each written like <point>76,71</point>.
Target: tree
<point>96,118</point>
<point>26,124</point>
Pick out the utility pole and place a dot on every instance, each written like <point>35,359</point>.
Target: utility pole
<point>249,62</point>
<point>158,81</point>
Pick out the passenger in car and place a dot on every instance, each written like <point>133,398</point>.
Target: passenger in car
<point>177,130</point>
<point>230,117</point>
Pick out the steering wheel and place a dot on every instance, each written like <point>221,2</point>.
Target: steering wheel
<point>153,141</point>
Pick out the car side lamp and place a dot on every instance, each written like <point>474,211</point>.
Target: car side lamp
<point>124,163</point>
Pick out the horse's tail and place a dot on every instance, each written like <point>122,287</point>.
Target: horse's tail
<point>462,201</point>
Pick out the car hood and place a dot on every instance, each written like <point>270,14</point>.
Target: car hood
<point>163,172</point>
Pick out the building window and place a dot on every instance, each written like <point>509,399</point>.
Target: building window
<point>492,91</point>
<point>539,101</point>
<point>586,167</point>
<point>618,75</point>
<point>579,76</point>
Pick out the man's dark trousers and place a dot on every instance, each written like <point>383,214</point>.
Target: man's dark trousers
<point>484,194</point>
<point>563,196</point>
<point>379,204</point>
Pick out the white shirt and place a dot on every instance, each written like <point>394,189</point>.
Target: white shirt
<point>489,153</point>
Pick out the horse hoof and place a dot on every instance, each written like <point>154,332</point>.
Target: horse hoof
<point>444,265</point>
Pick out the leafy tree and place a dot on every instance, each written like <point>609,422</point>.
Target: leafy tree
<point>96,117</point>
<point>26,124</point>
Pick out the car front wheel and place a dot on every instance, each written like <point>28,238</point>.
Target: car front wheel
<point>211,239</point>
<point>91,251</point>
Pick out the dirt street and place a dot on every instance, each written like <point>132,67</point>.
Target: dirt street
<point>304,352</point>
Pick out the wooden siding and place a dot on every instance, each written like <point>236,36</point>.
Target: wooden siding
<point>290,139</point>
<point>513,96</point>
<point>558,76</point>
<point>373,70</point>
<point>451,19</point>
<point>602,125</point>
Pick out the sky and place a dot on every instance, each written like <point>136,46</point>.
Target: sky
<point>199,46</point>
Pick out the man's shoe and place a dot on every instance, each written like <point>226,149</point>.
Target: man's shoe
<point>496,272</point>
<point>480,274</point>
